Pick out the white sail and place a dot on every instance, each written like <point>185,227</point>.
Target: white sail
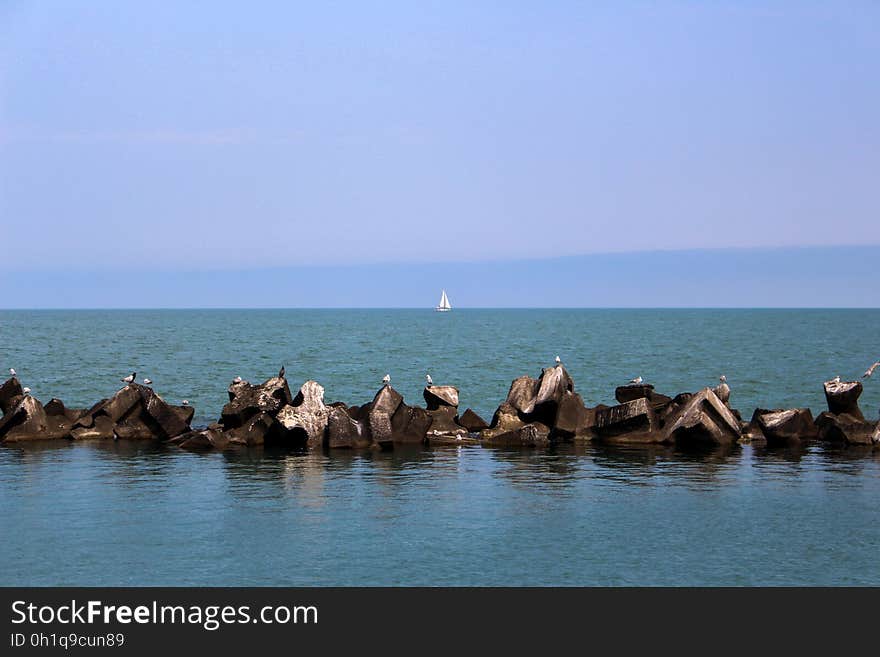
<point>444,303</point>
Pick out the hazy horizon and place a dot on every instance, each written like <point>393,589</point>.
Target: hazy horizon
<point>805,277</point>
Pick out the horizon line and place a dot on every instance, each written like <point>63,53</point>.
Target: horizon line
<point>430,309</point>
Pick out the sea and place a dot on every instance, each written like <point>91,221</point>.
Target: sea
<point>142,514</point>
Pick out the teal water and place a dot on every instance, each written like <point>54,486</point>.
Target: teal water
<point>136,514</point>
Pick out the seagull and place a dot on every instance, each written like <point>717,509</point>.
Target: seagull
<point>558,360</point>
<point>130,378</point>
<point>147,381</point>
<point>870,370</point>
<point>27,391</point>
<point>281,372</point>
<point>836,379</point>
<point>237,379</point>
<point>12,371</point>
<point>386,379</point>
<point>722,390</point>
<point>185,402</point>
<point>427,378</point>
<point>636,380</point>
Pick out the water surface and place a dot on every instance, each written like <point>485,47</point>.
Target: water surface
<point>140,514</point>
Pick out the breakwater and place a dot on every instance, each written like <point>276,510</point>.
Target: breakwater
<point>537,412</point>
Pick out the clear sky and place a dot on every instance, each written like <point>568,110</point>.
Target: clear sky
<point>242,135</point>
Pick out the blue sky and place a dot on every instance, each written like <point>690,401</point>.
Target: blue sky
<point>218,137</point>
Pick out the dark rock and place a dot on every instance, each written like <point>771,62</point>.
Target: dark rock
<point>26,421</point>
<point>135,412</point>
<point>184,413</point>
<point>533,434</point>
<point>782,427</point>
<point>122,403</point>
<point>87,418</point>
<point>633,391</point>
<point>247,401</point>
<point>386,400</point>
<point>703,419</point>
<point>632,422</point>
<point>472,422</point>
<point>843,397</point>
<point>204,439</point>
<point>343,431</point>
<point>410,424</point>
<point>437,396</point>
<point>55,407</point>
<point>253,432</point>
<point>508,428</point>
<point>846,428</point>
<point>305,420</point>
<point>443,427</point>
<point>134,427</point>
<point>11,393</point>
<point>165,420</point>
<point>682,398</point>
<point>572,417</point>
<point>522,393</point>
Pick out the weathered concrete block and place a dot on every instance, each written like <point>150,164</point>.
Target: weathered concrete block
<point>472,422</point>
<point>437,396</point>
<point>634,421</point>
<point>703,419</point>
<point>846,428</point>
<point>843,397</point>
<point>782,427</point>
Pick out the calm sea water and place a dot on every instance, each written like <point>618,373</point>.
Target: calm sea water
<point>138,514</point>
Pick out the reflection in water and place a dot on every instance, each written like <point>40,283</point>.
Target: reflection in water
<point>573,514</point>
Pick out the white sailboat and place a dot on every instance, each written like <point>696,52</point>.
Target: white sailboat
<point>444,306</point>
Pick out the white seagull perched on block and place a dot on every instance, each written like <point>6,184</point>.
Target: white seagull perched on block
<point>428,379</point>
<point>636,381</point>
<point>185,402</point>
<point>722,390</point>
<point>147,381</point>
<point>558,360</point>
<point>386,379</point>
<point>27,391</point>
<point>237,379</point>
<point>870,370</point>
<point>130,378</point>
<point>12,372</point>
<point>836,379</point>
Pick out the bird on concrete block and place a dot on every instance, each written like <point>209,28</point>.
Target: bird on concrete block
<point>722,390</point>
